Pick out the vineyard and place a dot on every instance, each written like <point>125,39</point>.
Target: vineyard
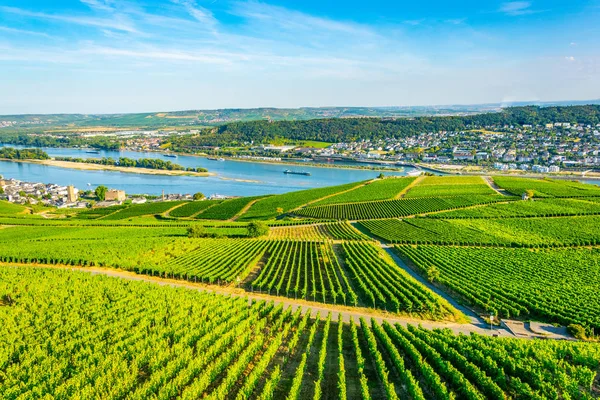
<point>227,209</point>
<point>139,210</point>
<point>272,206</point>
<point>394,208</point>
<point>536,208</point>
<point>306,270</point>
<point>382,189</point>
<point>192,208</point>
<point>99,337</point>
<point>380,283</point>
<point>558,285</point>
<point>511,232</point>
<point>546,187</point>
<point>334,231</point>
<point>214,260</point>
<point>434,186</point>
<point>7,208</point>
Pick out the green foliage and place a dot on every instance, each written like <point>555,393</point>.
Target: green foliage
<point>577,331</point>
<point>522,232</point>
<point>257,229</point>
<point>227,209</point>
<point>147,163</point>
<point>559,285</point>
<point>137,210</point>
<point>192,208</point>
<point>23,154</point>
<point>535,208</point>
<point>546,187</point>
<point>268,207</point>
<point>7,208</point>
<point>307,270</point>
<point>436,186</point>
<point>393,208</point>
<point>199,196</point>
<point>100,192</point>
<point>382,284</point>
<point>384,189</point>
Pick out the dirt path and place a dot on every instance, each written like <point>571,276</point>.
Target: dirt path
<point>243,210</point>
<point>347,312</point>
<point>331,195</point>
<point>406,189</point>
<point>496,188</point>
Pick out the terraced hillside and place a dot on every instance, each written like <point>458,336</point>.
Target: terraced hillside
<point>441,251</point>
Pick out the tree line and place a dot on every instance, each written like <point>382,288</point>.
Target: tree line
<point>352,129</point>
<point>149,163</point>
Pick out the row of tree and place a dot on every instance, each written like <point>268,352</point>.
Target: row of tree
<point>149,163</point>
<point>23,154</point>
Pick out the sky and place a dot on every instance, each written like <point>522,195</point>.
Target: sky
<point>117,56</point>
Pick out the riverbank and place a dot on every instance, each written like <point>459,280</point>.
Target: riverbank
<point>300,163</point>
<point>474,170</point>
<point>98,167</point>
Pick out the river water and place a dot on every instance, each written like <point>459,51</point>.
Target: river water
<point>229,179</point>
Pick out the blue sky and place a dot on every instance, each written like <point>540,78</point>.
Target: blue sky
<point>101,56</point>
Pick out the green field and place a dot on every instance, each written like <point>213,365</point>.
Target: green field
<point>558,285</point>
<point>445,252</point>
<point>435,186</point>
<point>384,189</point>
<point>99,337</point>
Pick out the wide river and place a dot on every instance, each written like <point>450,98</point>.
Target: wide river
<point>230,178</point>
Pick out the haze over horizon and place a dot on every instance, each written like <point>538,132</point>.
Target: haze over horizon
<point>107,56</point>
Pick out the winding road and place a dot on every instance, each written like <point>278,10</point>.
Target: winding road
<point>348,313</point>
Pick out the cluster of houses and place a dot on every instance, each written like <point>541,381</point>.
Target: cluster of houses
<point>541,148</point>
<point>52,195</point>
<point>33,193</point>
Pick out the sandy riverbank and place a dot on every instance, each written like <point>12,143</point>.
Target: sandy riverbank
<point>98,167</point>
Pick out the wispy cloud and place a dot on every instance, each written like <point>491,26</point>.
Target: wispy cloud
<point>102,5</point>
<point>24,32</point>
<point>199,13</point>
<point>118,23</point>
<point>516,8</point>
<point>292,20</point>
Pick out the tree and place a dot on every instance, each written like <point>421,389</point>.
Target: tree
<point>381,176</point>
<point>257,229</point>
<point>196,231</point>
<point>100,192</point>
<point>433,273</point>
<point>529,193</point>
<point>1,190</point>
<point>577,331</point>
<point>199,196</point>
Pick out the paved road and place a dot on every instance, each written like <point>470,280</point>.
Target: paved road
<point>347,312</point>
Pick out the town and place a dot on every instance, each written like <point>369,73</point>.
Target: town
<point>540,149</point>
<point>52,195</point>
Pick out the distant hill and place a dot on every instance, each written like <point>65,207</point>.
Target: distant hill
<point>203,118</point>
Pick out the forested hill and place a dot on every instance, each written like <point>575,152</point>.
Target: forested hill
<point>349,129</point>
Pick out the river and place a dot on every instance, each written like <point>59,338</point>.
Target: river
<point>229,179</point>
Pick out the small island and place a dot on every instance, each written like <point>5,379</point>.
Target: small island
<point>148,166</point>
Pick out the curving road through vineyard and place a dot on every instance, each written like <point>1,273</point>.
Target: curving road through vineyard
<point>475,326</point>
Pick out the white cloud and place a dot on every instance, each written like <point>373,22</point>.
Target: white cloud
<point>515,8</point>
<point>118,23</point>
<point>102,5</point>
<point>24,32</point>
<point>199,13</point>
<point>570,58</point>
